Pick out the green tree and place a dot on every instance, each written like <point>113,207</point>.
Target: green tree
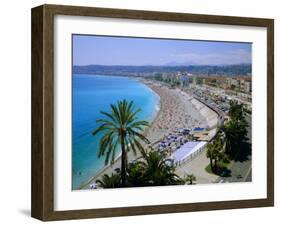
<point>190,178</point>
<point>121,127</point>
<point>235,129</point>
<point>215,152</point>
<point>112,181</point>
<point>159,170</point>
<point>237,111</point>
<point>135,174</point>
<point>235,134</point>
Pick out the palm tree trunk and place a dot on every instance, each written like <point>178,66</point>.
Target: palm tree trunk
<point>216,166</point>
<point>123,162</point>
<point>211,163</point>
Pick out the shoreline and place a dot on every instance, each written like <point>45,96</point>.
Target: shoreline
<point>131,156</point>
<point>175,111</point>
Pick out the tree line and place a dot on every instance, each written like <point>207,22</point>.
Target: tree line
<point>229,142</point>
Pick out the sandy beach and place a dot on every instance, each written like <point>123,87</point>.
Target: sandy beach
<point>176,111</point>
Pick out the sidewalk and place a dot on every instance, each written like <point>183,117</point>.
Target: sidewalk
<point>197,167</point>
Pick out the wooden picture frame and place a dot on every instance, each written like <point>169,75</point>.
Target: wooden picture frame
<point>42,204</point>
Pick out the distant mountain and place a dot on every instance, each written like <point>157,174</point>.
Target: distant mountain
<point>186,63</point>
<point>146,70</point>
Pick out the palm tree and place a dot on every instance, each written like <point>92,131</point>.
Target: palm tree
<point>107,181</point>
<point>159,170</point>
<point>215,152</point>
<point>121,127</point>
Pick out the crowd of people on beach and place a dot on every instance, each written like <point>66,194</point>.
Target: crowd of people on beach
<point>173,141</point>
<point>176,112</point>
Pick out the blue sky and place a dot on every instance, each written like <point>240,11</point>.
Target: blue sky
<point>106,50</point>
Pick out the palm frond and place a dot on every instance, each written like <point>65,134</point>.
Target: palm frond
<point>132,116</point>
<point>138,124</point>
<point>107,122</point>
<point>113,151</point>
<point>104,141</point>
<point>116,114</point>
<point>102,127</point>
<point>139,146</point>
<point>139,135</point>
<point>111,116</point>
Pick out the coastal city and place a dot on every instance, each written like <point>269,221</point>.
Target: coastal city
<point>211,96</point>
<point>160,112</point>
<point>194,108</point>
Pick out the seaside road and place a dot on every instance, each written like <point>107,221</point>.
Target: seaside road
<point>240,172</point>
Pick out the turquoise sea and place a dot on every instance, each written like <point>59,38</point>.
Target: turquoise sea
<point>90,95</point>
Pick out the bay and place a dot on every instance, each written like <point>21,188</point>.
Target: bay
<point>90,95</point>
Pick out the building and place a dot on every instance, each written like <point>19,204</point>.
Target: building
<point>240,84</point>
<point>232,83</point>
<point>248,86</point>
<point>184,80</point>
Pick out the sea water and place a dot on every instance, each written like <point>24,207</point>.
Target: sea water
<point>90,95</point>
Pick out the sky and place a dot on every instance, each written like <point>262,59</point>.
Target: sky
<point>108,50</point>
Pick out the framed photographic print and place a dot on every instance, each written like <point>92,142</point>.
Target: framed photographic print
<point>141,112</point>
